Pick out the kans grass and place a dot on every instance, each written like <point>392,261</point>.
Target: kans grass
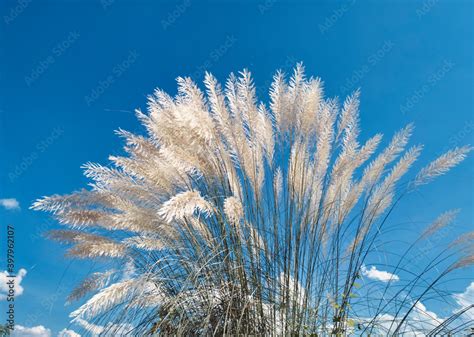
<point>232,217</point>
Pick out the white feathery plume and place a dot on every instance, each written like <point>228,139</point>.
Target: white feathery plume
<point>375,169</point>
<point>298,167</point>
<point>232,179</point>
<point>233,210</point>
<point>91,283</point>
<point>349,117</point>
<point>401,167</point>
<point>442,165</point>
<point>295,97</point>
<point>81,218</point>
<point>95,249</point>
<point>219,109</point>
<point>257,168</point>
<point>278,99</point>
<point>145,243</point>
<point>181,161</point>
<point>345,165</point>
<point>465,239</point>
<point>231,96</point>
<point>264,132</point>
<point>382,196</point>
<point>465,262</point>
<point>278,183</point>
<point>135,144</point>
<point>184,205</point>
<point>246,153</point>
<point>352,190</point>
<point>133,218</point>
<point>191,112</point>
<point>88,245</point>
<point>228,218</point>
<point>343,169</point>
<point>312,96</point>
<point>107,298</point>
<point>58,203</point>
<point>367,150</point>
<point>151,296</point>
<point>246,100</point>
<point>152,169</point>
<point>440,222</point>
<point>325,135</point>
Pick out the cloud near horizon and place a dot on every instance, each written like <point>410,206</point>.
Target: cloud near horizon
<point>4,286</point>
<point>466,299</point>
<point>68,333</point>
<point>40,331</point>
<point>36,331</point>
<point>378,275</point>
<point>10,204</point>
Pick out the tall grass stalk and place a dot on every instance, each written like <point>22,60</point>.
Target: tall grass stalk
<point>233,218</point>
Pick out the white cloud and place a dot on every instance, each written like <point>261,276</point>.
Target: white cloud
<point>97,330</point>
<point>36,331</point>
<point>423,319</point>
<point>10,204</point>
<point>419,323</point>
<point>4,286</point>
<point>378,275</point>
<point>466,299</point>
<point>68,333</point>
<point>40,331</point>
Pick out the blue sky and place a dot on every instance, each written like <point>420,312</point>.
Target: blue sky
<point>73,72</point>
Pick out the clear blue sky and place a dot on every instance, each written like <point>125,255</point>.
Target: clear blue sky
<point>72,72</point>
